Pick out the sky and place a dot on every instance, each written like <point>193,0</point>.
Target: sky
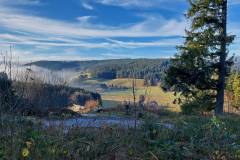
<point>98,29</point>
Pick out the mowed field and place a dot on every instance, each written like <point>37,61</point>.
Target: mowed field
<point>126,82</point>
<point>155,93</point>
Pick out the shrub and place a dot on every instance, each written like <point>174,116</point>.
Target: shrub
<point>6,93</point>
<point>46,97</point>
<point>203,102</point>
<point>78,98</point>
<point>91,104</point>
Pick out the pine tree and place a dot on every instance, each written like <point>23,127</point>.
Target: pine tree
<point>201,64</point>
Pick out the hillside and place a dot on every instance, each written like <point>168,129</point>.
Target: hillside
<point>151,70</point>
<point>91,64</point>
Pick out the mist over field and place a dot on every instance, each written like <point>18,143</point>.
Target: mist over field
<point>19,72</point>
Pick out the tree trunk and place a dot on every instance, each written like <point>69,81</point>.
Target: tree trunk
<point>222,67</point>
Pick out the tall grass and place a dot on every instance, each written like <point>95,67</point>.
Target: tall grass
<point>188,137</point>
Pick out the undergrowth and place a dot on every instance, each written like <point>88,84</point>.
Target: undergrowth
<point>186,137</point>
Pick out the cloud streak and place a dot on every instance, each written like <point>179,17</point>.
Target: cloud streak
<point>40,32</point>
<point>39,25</point>
<point>140,3</point>
<point>87,6</point>
<point>150,3</point>
<point>20,2</point>
<point>65,42</point>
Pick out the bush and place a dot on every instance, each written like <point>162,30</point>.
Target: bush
<point>46,97</point>
<point>6,93</point>
<point>78,98</point>
<point>203,102</point>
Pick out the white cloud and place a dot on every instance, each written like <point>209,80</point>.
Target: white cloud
<point>25,56</point>
<point>112,55</point>
<point>85,20</point>
<point>162,43</point>
<point>87,6</point>
<point>150,3</point>
<point>20,2</point>
<point>66,42</point>
<point>45,33</point>
<point>141,3</point>
<point>39,25</point>
<point>126,3</point>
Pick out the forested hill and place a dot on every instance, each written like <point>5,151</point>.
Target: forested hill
<point>149,69</point>
<point>64,65</point>
<point>89,65</point>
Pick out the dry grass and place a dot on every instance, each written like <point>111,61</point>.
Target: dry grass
<point>115,96</point>
<point>89,106</point>
<point>153,94</point>
<point>125,82</point>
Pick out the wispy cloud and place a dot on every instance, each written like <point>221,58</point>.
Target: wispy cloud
<point>162,43</point>
<point>87,6</point>
<point>67,42</point>
<point>40,34</point>
<point>126,3</point>
<point>39,25</point>
<point>140,3</point>
<point>150,3</point>
<point>20,2</point>
<point>24,56</point>
<point>85,20</point>
<point>112,55</point>
<point>46,34</point>
<point>43,32</point>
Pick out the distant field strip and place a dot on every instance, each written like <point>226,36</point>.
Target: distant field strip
<point>125,82</point>
<point>153,93</point>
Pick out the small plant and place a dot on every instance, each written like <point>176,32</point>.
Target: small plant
<point>6,92</point>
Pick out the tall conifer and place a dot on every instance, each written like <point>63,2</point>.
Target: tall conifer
<point>201,64</point>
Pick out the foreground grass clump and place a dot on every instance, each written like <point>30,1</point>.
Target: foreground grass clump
<point>184,137</point>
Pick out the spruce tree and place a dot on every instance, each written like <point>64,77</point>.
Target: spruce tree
<point>200,66</point>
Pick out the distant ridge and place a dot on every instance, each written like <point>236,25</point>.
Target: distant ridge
<point>88,64</point>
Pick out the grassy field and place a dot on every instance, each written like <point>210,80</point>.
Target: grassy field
<point>153,93</point>
<point>125,82</point>
<point>113,97</point>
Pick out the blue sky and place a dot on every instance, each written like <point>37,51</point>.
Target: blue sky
<point>98,29</point>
